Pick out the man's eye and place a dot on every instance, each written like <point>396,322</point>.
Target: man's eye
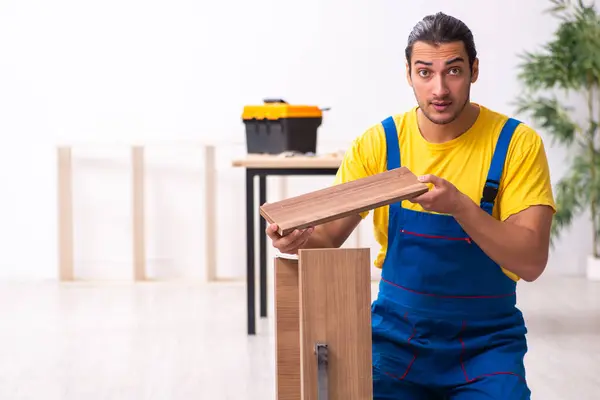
<point>454,71</point>
<point>423,73</point>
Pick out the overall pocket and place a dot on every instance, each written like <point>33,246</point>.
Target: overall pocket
<point>393,331</point>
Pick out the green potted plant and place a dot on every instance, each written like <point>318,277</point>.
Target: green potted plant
<point>566,70</point>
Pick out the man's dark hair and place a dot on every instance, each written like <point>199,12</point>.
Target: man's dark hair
<point>441,28</point>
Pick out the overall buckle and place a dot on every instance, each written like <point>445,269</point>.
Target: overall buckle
<point>490,191</point>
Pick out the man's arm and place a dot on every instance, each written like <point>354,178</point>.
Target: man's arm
<point>520,244</point>
<point>333,234</point>
<point>519,238</point>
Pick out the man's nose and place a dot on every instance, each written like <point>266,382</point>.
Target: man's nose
<point>440,88</point>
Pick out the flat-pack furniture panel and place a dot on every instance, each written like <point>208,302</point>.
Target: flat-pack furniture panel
<point>335,319</point>
<point>341,200</point>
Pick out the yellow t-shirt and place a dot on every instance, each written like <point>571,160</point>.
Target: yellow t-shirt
<point>463,161</point>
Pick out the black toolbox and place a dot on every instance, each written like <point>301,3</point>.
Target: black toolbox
<point>276,127</point>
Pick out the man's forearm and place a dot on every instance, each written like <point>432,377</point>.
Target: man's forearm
<point>332,234</point>
<point>319,239</point>
<point>515,248</point>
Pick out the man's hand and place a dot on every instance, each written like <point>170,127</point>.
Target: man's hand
<point>291,243</point>
<point>444,198</point>
<point>329,235</point>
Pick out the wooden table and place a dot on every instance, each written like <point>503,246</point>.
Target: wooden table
<point>263,166</point>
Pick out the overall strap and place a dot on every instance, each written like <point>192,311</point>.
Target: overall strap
<point>392,147</point>
<point>490,190</point>
<point>393,154</point>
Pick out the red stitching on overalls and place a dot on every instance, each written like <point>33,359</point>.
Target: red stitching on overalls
<point>462,363</point>
<point>410,364</point>
<point>448,296</point>
<point>468,240</point>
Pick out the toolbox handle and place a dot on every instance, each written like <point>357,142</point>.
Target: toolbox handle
<point>274,100</point>
<point>271,100</point>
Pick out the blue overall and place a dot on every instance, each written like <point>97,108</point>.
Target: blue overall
<point>445,322</point>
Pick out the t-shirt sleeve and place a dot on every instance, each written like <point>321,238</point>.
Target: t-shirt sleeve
<point>526,180</point>
<point>361,160</point>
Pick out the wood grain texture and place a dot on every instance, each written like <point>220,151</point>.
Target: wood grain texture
<point>335,309</point>
<point>338,201</point>
<point>287,329</point>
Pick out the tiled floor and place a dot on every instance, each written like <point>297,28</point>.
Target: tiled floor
<point>178,341</point>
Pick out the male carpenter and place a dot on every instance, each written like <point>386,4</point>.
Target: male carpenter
<point>445,323</point>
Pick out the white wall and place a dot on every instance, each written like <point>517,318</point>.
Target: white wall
<point>118,72</point>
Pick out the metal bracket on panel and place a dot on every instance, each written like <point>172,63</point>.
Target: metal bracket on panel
<point>322,363</point>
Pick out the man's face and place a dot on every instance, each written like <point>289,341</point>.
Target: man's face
<point>441,79</point>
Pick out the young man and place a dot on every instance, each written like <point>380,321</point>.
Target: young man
<point>445,323</point>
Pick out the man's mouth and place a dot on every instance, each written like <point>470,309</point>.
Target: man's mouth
<point>441,105</point>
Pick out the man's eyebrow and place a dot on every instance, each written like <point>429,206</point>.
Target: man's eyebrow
<point>456,59</point>
<point>451,61</point>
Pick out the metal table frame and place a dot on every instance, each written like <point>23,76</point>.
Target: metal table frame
<point>251,212</point>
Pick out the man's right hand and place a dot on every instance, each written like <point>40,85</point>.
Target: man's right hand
<point>290,243</point>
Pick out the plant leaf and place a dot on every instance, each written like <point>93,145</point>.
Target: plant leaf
<point>569,196</point>
<point>551,116</point>
<point>571,60</point>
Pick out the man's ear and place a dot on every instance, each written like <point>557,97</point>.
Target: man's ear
<point>408,74</point>
<point>475,71</point>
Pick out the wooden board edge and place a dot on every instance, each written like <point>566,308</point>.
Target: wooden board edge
<point>359,251</point>
<point>282,385</point>
<point>265,214</point>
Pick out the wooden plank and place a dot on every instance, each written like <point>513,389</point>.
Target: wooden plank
<point>138,212</point>
<point>287,329</point>
<point>65,215</point>
<point>281,162</point>
<point>338,201</point>
<point>210,213</point>
<point>335,309</point>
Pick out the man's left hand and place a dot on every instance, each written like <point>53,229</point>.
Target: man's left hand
<point>444,198</point>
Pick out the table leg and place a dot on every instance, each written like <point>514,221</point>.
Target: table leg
<point>263,248</point>
<point>250,278</point>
